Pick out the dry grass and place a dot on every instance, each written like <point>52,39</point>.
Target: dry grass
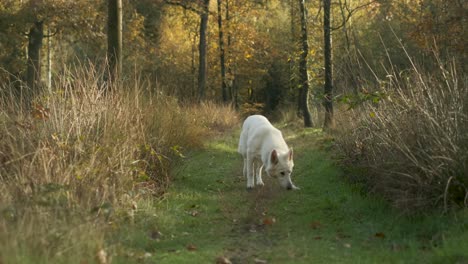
<point>78,158</point>
<point>412,146</point>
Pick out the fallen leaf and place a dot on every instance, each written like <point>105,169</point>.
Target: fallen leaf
<point>194,213</point>
<point>347,245</point>
<point>317,237</point>
<point>191,247</point>
<point>315,225</point>
<point>396,247</point>
<point>223,260</point>
<point>269,221</point>
<point>341,236</point>
<point>380,235</point>
<point>260,261</point>
<point>155,235</point>
<point>101,256</point>
<point>40,112</point>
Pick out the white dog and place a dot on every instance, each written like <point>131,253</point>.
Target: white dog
<point>262,145</point>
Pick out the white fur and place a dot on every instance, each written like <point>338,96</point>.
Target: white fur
<point>262,145</point>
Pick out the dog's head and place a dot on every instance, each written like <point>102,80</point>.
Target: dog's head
<point>280,166</point>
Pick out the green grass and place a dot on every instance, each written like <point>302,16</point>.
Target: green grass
<point>207,213</point>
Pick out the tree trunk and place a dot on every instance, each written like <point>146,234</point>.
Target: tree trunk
<point>222,55</point>
<point>35,38</point>
<point>114,38</point>
<point>49,60</point>
<point>230,78</point>
<point>292,61</point>
<point>328,88</point>
<point>303,74</point>
<point>193,68</point>
<point>202,49</point>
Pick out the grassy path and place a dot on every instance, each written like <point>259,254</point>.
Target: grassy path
<point>208,214</point>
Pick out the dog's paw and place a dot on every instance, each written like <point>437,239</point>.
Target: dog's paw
<point>295,188</point>
<point>260,183</point>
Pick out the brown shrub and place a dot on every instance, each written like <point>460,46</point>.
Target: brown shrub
<point>411,146</point>
<point>80,155</point>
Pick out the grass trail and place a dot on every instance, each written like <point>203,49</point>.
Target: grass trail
<point>208,215</point>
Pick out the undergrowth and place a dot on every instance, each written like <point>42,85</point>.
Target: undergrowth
<point>407,139</point>
<point>75,158</point>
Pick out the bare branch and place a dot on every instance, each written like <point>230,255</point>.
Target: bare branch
<point>319,11</point>
<point>52,34</point>
<point>350,12</point>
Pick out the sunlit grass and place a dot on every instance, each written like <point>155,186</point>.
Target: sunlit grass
<point>327,221</point>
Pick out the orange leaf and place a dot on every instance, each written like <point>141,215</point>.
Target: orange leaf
<point>315,225</point>
<point>223,260</point>
<point>191,247</point>
<point>269,221</point>
<point>380,235</point>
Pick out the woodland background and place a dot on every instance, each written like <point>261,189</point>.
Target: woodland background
<point>99,100</point>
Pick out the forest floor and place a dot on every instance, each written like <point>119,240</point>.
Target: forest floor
<point>208,216</point>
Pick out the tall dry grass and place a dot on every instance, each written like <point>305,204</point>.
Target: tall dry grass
<point>409,138</point>
<point>76,157</point>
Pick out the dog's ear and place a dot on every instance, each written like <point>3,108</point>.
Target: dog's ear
<point>290,155</point>
<point>274,157</point>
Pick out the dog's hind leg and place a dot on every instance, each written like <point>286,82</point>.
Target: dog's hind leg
<point>245,168</point>
<point>259,175</point>
<point>250,171</point>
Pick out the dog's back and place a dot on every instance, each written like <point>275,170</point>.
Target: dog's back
<point>251,124</point>
<point>256,131</point>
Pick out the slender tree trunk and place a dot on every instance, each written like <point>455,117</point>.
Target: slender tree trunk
<point>304,76</point>
<point>35,39</point>
<point>231,78</point>
<point>328,88</point>
<point>222,55</point>
<point>49,60</point>
<point>194,68</point>
<point>292,61</point>
<point>114,38</point>
<point>202,49</point>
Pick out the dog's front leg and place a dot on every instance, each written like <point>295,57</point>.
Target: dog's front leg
<point>259,175</point>
<point>250,171</point>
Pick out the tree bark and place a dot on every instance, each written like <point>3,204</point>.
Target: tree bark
<point>114,38</point>
<point>222,55</point>
<point>49,60</point>
<point>303,74</point>
<point>202,49</point>
<point>35,39</point>
<point>230,78</point>
<point>328,88</point>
